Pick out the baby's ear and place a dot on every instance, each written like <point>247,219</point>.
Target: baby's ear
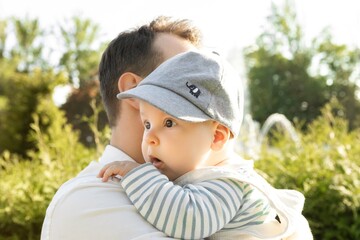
<point>221,135</point>
<point>126,82</point>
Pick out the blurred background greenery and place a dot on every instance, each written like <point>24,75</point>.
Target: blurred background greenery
<point>315,85</point>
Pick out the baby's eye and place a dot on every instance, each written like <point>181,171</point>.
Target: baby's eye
<point>147,125</point>
<point>169,123</point>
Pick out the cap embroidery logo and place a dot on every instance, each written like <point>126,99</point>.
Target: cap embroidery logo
<point>194,90</point>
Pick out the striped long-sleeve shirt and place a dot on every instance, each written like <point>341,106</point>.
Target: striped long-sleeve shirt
<point>194,211</point>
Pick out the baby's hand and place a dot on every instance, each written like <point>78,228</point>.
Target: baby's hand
<point>116,168</point>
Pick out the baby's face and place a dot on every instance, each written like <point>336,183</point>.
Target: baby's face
<point>174,146</point>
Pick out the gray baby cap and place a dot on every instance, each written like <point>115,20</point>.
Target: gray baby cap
<point>194,86</point>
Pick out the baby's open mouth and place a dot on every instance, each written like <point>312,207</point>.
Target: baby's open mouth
<point>156,162</point>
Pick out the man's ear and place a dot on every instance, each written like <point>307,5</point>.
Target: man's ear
<point>128,81</point>
<point>221,135</point>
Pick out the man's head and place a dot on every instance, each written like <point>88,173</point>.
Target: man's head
<point>140,51</point>
<point>130,57</point>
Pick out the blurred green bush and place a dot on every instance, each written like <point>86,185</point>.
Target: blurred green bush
<point>28,185</point>
<point>326,169</point>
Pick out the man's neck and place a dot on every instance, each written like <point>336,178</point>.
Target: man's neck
<point>127,135</point>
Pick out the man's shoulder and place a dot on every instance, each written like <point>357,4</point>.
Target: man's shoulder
<point>87,175</point>
<point>85,184</point>
<point>85,202</point>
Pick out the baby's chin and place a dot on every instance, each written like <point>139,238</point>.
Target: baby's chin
<point>163,169</point>
<point>170,176</point>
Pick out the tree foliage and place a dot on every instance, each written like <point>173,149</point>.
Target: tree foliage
<point>27,75</point>
<point>29,46</point>
<point>3,25</point>
<point>80,58</point>
<point>23,93</point>
<point>79,109</point>
<point>287,75</point>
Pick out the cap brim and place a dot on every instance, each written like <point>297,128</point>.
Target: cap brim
<point>167,101</point>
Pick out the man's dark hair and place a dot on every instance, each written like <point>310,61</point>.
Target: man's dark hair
<point>133,51</point>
